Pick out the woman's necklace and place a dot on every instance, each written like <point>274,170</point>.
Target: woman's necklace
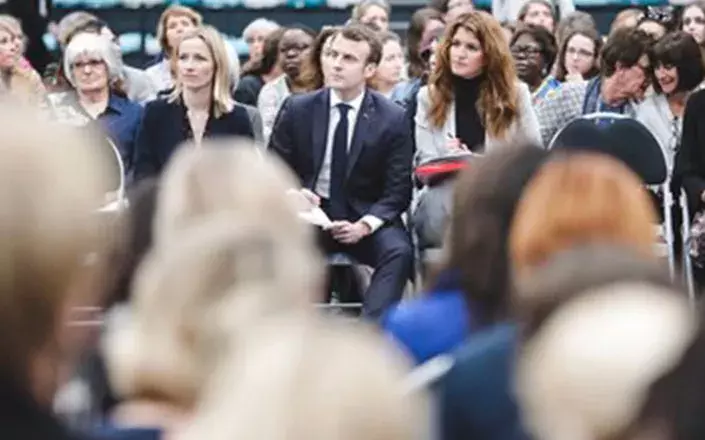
<point>198,120</point>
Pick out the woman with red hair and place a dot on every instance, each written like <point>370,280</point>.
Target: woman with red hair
<point>581,199</point>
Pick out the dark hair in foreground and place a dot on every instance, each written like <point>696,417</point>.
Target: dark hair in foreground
<point>484,202</point>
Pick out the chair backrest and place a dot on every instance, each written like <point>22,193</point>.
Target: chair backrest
<point>115,198</point>
<point>619,136</point>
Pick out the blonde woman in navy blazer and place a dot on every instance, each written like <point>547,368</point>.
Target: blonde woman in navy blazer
<point>200,106</point>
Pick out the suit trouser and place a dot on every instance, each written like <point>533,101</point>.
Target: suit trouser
<point>389,252</point>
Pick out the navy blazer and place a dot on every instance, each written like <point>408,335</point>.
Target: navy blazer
<point>476,397</point>
<point>165,126</point>
<point>378,178</point>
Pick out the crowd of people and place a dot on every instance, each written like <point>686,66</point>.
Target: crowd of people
<point>176,288</point>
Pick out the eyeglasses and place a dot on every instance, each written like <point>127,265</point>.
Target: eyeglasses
<point>525,50</point>
<point>90,63</point>
<point>582,53</point>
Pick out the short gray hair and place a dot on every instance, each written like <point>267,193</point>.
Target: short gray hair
<point>260,24</point>
<point>92,45</point>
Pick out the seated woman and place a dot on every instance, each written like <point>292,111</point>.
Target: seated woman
<point>578,56</point>
<point>678,70</point>
<point>389,70</point>
<point>374,13</point>
<point>98,98</point>
<point>18,80</point>
<point>472,290</point>
<point>257,73</point>
<point>174,22</point>
<point>692,21</point>
<point>473,101</point>
<point>534,50</point>
<point>541,13</point>
<point>200,107</point>
<point>294,51</point>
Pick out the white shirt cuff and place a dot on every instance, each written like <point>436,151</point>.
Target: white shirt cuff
<point>373,222</point>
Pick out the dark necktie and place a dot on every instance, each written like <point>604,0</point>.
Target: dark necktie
<point>339,165</point>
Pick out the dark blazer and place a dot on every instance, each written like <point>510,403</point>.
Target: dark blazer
<point>690,158</point>
<point>379,162</point>
<point>476,396</point>
<point>165,126</point>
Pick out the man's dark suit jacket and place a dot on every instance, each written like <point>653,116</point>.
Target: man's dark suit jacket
<point>379,160</point>
<point>165,126</point>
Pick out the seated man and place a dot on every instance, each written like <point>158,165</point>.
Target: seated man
<point>352,150</point>
<point>624,77</point>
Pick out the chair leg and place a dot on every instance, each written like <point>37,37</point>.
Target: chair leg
<point>685,238</point>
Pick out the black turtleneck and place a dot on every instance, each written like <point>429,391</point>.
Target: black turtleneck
<point>469,126</point>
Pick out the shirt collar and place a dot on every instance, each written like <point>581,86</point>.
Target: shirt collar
<point>355,103</point>
<point>116,104</point>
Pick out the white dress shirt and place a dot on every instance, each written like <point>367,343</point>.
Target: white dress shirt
<point>323,181</point>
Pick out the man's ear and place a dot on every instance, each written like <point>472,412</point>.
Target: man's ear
<point>370,70</point>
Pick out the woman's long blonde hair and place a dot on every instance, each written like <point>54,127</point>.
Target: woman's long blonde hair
<point>222,80</point>
<point>498,104</point>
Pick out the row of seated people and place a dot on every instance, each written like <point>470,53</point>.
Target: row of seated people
<point>573,309</point>
<point>376,187</point>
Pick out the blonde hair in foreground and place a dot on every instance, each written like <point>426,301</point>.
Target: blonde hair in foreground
<point>587,373</point>
<point>215,282</point>
<point>222,78</point>
<point>225,176</point>
<point>50,186</point>
<point>312,380</point>
<point>581,199</point>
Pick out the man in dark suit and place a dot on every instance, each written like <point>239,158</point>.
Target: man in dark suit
<point>352,151</point>
<point>34,15</point>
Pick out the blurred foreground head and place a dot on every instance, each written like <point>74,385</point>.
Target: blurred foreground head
<point>619,361</point>
<point>610,350</point>
<point>51,183</point>
<point>312,380</point>
<point>581,199</point>
<point>229,253</point>
<point>485,198</point>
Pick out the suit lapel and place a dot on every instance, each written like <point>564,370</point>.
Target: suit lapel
<point>363,126</point>
<point>320,117</point>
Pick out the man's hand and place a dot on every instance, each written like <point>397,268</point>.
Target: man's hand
<point>349,233</point>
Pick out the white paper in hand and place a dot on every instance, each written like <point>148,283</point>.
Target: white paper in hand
<point>316,217</point>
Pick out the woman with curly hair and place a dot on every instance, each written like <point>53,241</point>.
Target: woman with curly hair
<point>474,101</point>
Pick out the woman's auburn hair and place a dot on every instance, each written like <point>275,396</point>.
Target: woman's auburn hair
<point>499,96</point>
<point>581,199</point>
<point>222,100</point>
